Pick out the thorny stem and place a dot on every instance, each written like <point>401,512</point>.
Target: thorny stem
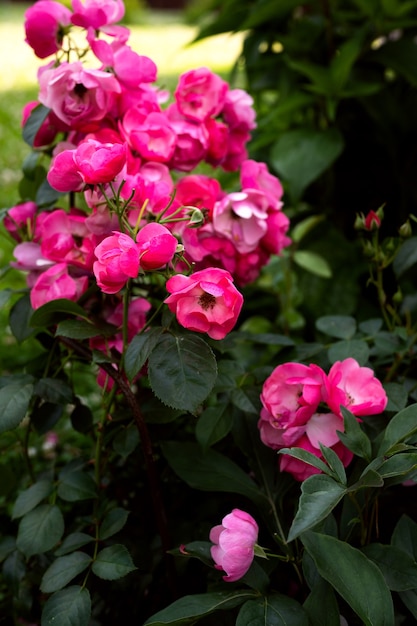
<point>153,479</point>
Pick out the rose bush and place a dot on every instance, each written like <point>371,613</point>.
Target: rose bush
<point>174,377</point>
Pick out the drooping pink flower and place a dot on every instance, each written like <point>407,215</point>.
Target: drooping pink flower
<point>354,387</point>
<point>56,283</point>
<point>117,261</point>
<point>97,13</point>
<point>44,25</point>
<point>234,542</point>
<point>20,220</point>
<point>79,97</point>
<point>157,246</point>
<point>99,163</point>
<point>200,94</point>
<point>205,302</point>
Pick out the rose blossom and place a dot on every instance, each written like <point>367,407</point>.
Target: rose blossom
<point>200,94</point>
<point>21,219</point>
<point>205,302</point>
<point>354,387</point>
<point>44,24</point>
<point>97,13</point>
<point>157,246</point>
<point>234,541</point>
<point>117,261</point>
<point>56,283</point>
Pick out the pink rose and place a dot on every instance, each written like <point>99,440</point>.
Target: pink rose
<point>20,220</point>
<point>99,163</point>
<point>78,96</point>
<point>117,261</point>
<point>234,541</point>
<point>157,246</point>
<point>200,94</point>
<point>254,175</point>
<point>238,110</point>
<point>205,302</point>
<point>56,283</point>
<point>152,136</point>
<point>97,13</point>
<point>44,24</point>
<point>354,387</point>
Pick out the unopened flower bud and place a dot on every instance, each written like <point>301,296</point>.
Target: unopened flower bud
<point>405,230</point>
<point>196,218</point>
<point>372,221</point>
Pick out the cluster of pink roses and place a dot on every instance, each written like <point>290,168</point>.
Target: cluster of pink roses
<point>124,150</point>
<point>301,409</point>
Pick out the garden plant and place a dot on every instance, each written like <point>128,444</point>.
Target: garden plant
<point>216,419</point>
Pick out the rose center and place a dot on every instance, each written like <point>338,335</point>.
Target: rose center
<point>80,90</point>
<point>207,301</point>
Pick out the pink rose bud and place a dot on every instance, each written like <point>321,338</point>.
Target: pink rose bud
<point>117,261</point>
<point>157,246</point>
<point>205,302</point>
<point>372,221</point>
<point>234,541</point>
<point>56,283</point>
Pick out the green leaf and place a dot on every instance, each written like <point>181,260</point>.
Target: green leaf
<point>399,429</point>
<point>14,570</point>
<point>397,396</point>
<point>182,371</point>
<point>397,567</point>
<point>401,56</point>
<point>40,530</point>
<point>113,563</point>
<point>214,424</point>
<point>273,610</point>
<point>138,351</point>
<point>398,465</point>
<point>319,495</point>
<point>78,329</point>
<point>301,156</point>
<point>334,463</point>
<point>353,576</point>
<point>302,229</point>
<point>81,418</point>
<point>191,608</point>
<point>339,326</point>
<point>68,607</point>
<point>63,570</point>
<point>404,536</point>
<point>45,416</point>
<point>406,256</point>
<point>73,542</point>
<point>307,457</point>
<point>52,312</point>
<point>113,521</point>
<point>321,605</point>
<point>209,470</point>
<point>46,195</point>
<point>14,403</point>
<point>31,497</point>
<point>54,390</point>
<point>35,120</point>
<point>195,549</point>
<point>410,600</point>
<point>313,263</point>
<point>75,486</point>
<point>19,319</point>
<point>353,348</point>
<point>354,437</point>
<point>126,441</point>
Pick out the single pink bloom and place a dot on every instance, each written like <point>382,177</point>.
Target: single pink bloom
<point>238,110</point>
<point>117,261</point>
<point>354,387</point>
<point>254,175</point>
<point>157,246</point>
<point>200,94</point>
<point>97,13</point>
<point>29,257</point>
<point>56,283</point>
<point>20,219</point>
<point>234,542</point>
<point>64,174</point>
<point>44,24</point>
<point>205,302</point>
<point>99,163</point>
<point>153,136</point>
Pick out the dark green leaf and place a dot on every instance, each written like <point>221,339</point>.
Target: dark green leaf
<point>209,470</point>
<point>397,567</point>
<point>339,326</point>
<point>353,348</point>
<point>319,495</point>
<point>113,563</point>
<point>31,497</point>
<point>301,156</point>
<point>7,545</point>
<point>138,351</point>
<point>53,312</point>
<point>191,608</point>
<point>45,416</point>
<point>14,403</point>
<point>19,319</point>
<point>214,424</point>
<point>14,570</point>
<point>313,263</point>
<point>401,56</point>
<point>273,610</point>
<point>406,257</point>
<point>126,440</point>
<point>404,536</point>
<point>397,396</point>
<point>321,605</point>
<point>81,418</point>
<point>73,542</point>
<point>35,120</point>
<point>353,436</point>
<point>410,600</point>
<point>46,195</point>
<point>63,570</point>
<point>334,463</point>
<point>68,607</point>
<point>195,549</point>
<point>307,457</point>
<point>77,329</point>
<point>353,576</point>
<point>75,486</point>
<point>40,529</point>
<point>400,428</point>
<point>54,390</point>
<point>113,521</point>
<point>182,371</point>
<point>398,465</point>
